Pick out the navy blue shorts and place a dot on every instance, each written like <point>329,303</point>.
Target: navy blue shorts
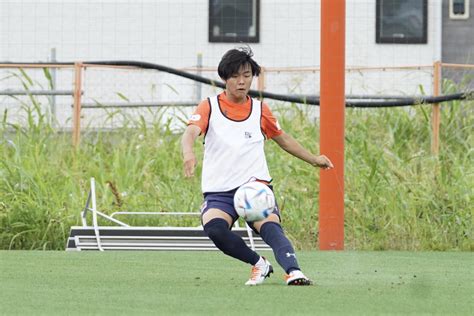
<point>224,201</point>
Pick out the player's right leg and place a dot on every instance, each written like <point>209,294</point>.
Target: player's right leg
<point>216,224</point>
<point>260,271</point>
<point>218,216</point>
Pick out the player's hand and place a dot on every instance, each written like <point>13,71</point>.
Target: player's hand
<point>189,161</point>
<point>322,162</point>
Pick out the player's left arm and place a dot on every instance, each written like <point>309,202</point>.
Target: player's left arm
<point>290,145</point>
<point>272,130</point>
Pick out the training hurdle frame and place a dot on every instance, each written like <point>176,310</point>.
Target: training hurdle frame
<point>126,237</point>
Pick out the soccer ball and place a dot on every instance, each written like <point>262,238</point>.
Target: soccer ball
<point>254,201</point>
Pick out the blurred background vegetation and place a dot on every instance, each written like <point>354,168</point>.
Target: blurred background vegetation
<point>397,194</point>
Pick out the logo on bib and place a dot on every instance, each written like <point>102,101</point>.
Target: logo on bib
<point>278,125</point>
<point>248,135</point>
<point>195,117</point>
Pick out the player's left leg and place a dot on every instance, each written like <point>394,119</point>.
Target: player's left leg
<point>272,233</point>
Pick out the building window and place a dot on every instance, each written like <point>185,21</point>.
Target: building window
<point>232,21</point>
<point>401,21</point>
<point>459,9</point>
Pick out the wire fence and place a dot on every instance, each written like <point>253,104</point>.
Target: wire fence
<point>110,94</point>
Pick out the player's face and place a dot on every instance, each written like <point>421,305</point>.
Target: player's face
<point>238,85</point>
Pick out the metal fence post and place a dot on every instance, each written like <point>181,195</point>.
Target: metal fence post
<point>435,112</point>
<point>261,82</point>
<point>53,87</point>
<point>76,128</point>
<point>199,73</point>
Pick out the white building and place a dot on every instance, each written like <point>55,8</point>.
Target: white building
<point>282,34</point>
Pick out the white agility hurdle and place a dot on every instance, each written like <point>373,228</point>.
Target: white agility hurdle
<point>126,237</point>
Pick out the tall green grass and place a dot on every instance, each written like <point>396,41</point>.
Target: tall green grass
<point>397,195</point>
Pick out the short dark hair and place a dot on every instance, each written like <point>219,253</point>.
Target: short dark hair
<point>234,59</point>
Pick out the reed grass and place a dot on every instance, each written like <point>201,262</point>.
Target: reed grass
<point>397,194</point>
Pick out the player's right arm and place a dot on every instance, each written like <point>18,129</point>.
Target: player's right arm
<point>197,124</point>
<point>189,158</point>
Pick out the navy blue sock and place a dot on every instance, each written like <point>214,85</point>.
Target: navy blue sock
<point>273,235</point>
<point>229,243</point>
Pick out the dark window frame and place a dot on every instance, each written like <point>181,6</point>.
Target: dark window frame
<point>453,15</point>
<point>235,39</point>
<point>379,39</point>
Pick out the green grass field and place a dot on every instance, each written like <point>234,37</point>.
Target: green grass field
<point>209,283</point>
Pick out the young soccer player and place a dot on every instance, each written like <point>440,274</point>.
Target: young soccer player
<point>235,127</point>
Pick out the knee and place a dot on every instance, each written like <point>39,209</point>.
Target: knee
<point>216,228</point>
<point>271,227</point>
<point>273,218</point>
<point>272,233</point>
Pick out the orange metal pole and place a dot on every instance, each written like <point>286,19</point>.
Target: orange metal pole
<point>331,193</point>
<point>435,113</point>
<point>76,128</point>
